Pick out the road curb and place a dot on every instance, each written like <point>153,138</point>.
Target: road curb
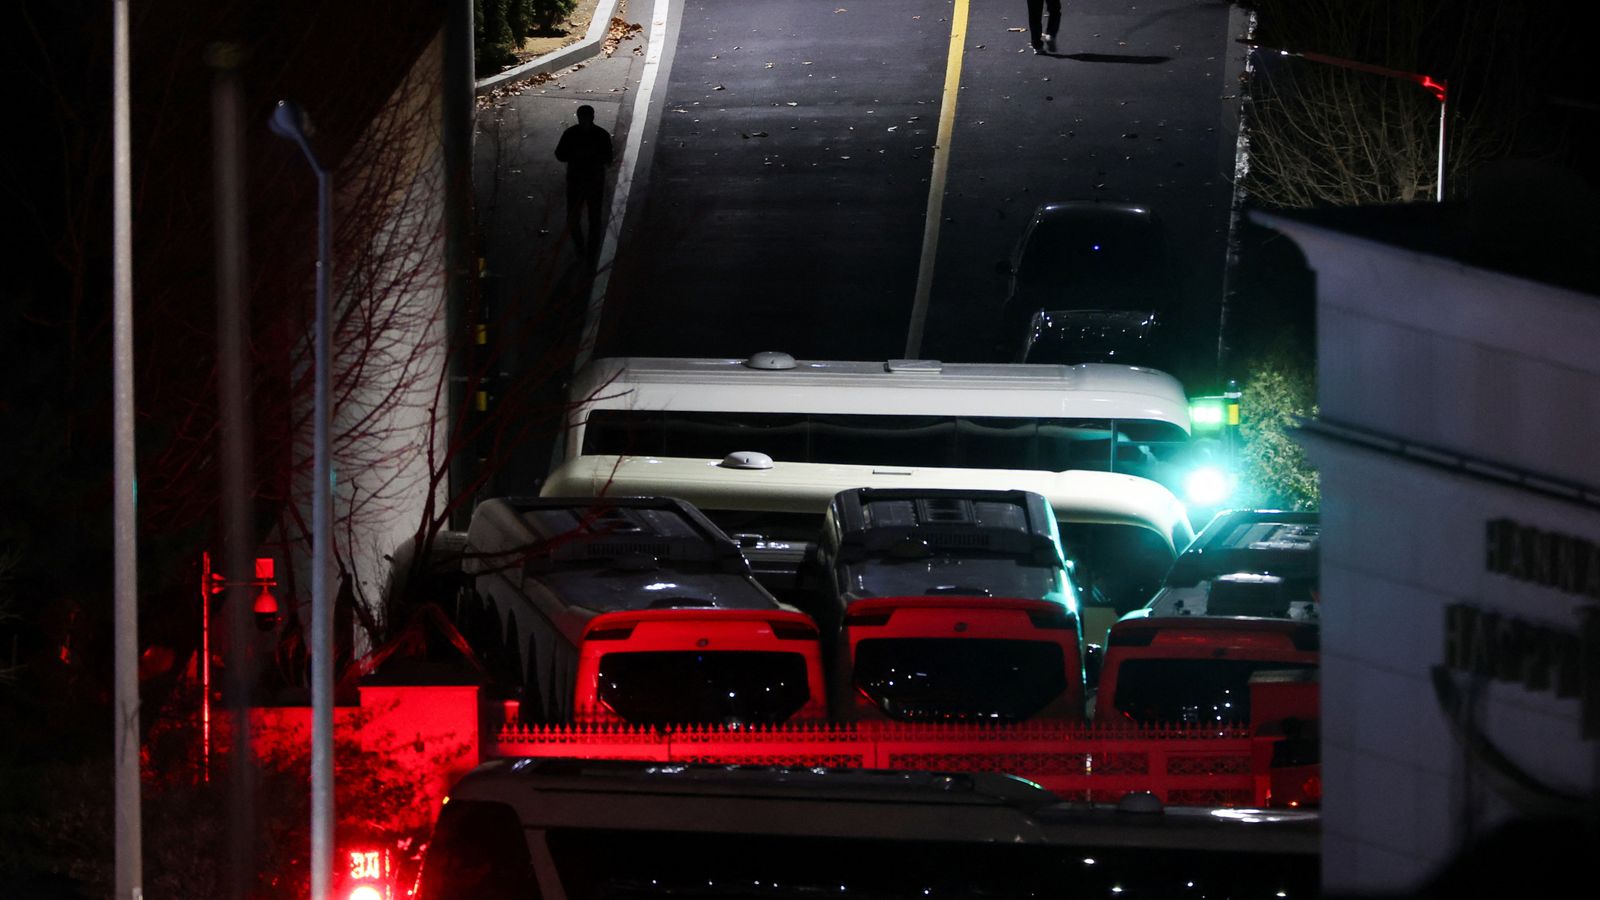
<point>592,43</point>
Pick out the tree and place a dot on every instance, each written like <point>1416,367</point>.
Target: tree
<point>57,810</point>
<point>1278,392</point>
<point>357,74</point>
<point>1320,134</point>
<point>500,26</point>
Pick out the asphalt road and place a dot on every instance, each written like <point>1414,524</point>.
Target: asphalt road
<point>785,190</point>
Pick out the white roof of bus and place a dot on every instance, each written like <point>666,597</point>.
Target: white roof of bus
<point>1075,495</point>
<point>897,387</point>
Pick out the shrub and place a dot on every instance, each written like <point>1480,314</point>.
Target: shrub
<point>1279,391</point>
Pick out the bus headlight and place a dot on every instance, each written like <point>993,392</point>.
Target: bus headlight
<point>1207,486</point>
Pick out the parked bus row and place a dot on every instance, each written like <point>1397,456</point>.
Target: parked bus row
<point>926,606</point>
<point>1098,448</point>
<point>917,606</point>
<point>1106,445</point>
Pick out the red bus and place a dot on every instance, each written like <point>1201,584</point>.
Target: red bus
<point>948,605</point>
<point>635,610</point>
<point>1191,661</point>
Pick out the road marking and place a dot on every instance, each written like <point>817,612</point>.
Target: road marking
<point>656,40</point>
<point>941,166</point>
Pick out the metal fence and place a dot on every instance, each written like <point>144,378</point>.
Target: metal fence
<point>1181,765</point>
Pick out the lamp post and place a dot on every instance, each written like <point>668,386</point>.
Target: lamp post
<point>289,121</point>
<point>1438,87</point>
<point>126,804</point>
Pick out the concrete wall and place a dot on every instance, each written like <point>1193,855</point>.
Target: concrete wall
<point>390,350</point>
<point>1453,379</point>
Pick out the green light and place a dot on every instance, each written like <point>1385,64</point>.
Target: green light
<point>1207,412</point>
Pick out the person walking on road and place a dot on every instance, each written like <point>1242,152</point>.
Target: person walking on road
<point>586,149</point>
<point>1036,8</point>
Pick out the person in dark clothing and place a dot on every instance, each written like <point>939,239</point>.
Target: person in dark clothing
<point>1035,10</point>
<point>586,149</point>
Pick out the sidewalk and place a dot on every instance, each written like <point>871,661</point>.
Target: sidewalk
<point>539,286</point>
<point>519,184</point>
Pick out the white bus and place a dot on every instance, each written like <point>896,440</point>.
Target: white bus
<point>830,426</point>
<point>1093,416</point>
<point>1121,531</point>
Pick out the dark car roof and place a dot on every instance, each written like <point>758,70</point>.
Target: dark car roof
<point>985,807</point>
<point>1100,335</point>
<point>1086,254</point>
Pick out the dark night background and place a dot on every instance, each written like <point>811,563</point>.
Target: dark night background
<point>340,60</point>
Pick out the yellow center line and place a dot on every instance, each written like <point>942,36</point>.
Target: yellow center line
<point>941,166</point>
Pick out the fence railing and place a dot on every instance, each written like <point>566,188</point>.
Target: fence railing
<point>1180,765</point>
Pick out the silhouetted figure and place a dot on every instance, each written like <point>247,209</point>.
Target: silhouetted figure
<point>1035,10</point>
<point>586,149</point>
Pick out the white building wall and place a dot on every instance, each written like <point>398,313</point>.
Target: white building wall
<point>388,347</point>
<point>1432,352</point>
<point>392,354</point>
<point>1445,354</point>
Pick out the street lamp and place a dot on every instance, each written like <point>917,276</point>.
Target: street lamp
<point>1438,87</point>
<point>289,121</point>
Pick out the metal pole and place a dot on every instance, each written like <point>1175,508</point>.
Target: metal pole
<point>125,615</point>
<point>289,121</point>
<point>321,556</point>
<point>1438,194</point>
<point>456,146</point>
<point>205,666</point>
<point>233,406</point>
<point>1239,20</point>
